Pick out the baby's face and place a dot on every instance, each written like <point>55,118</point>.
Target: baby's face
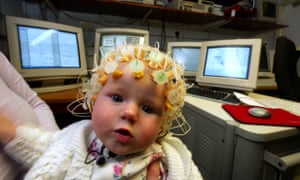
<point>128,113</point>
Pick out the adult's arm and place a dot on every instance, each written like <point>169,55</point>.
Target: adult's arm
<point>24,143</point>
<point>153,171</point>
<point>7,130</point>
<point>16,83</point>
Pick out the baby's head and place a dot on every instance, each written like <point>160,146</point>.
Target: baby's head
<point>141,61</point>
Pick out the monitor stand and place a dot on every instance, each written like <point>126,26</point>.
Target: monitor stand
<point>265,74</point>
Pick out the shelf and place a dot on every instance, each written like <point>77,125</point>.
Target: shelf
<point>139,10</point>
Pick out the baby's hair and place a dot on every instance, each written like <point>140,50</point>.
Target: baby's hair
<point>164,70</point>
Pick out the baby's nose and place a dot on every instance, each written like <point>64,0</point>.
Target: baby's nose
<point>130,112</point>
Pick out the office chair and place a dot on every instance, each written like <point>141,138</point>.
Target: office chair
<point>285,60</point>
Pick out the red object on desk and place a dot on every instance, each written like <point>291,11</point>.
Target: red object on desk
<point>279,117</point>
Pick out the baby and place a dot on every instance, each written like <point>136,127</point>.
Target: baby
<point>134,96</point>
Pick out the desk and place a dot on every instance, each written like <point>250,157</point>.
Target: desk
<point>225,149</point>
<point>58,102</point>
<point>66,96</point>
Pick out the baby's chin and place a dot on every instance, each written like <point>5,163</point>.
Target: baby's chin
<point>120,148</point>
<point>125,150</point>
<point>128,152</point>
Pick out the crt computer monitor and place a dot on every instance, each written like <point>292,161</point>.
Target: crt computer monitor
<point>186,54</point>
<point>45,50</point>
<point>265,64</point>
<point>230,64</point>
<point>107,39</point>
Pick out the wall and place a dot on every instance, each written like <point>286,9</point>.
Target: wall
<point>11,7</point>
<point>290,18</point>
<point>8,7</point>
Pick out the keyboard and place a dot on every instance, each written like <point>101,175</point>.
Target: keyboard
<point>56,88</point>
<point>214,94</point>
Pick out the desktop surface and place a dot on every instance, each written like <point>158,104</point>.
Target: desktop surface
<point>274,102</point>
<point>64,96</point>
<point>259,133</point>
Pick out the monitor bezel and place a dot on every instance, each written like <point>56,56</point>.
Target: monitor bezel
<point>185,44</point>
<point>113,30</point>
<point>231,83</point>
<point>43,73</point>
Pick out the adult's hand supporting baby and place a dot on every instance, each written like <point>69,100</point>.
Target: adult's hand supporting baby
<point>7,130</point>
<point>153,171</point>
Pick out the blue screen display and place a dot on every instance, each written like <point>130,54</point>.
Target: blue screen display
<point>48,48</point>
<point>228,61</point>
<point>187,56</point>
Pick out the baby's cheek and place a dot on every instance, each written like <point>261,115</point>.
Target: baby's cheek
<point>150,132</point>
<point>98,121</point>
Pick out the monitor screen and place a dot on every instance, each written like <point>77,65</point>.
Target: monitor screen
<point>186,54</point>
<point>107,39</point>
<point>56,49</point>
<point>44,50</point>
<point>231,64</point>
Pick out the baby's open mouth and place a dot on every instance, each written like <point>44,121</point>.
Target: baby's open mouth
<point>123,135</point>
<point>124,132</point>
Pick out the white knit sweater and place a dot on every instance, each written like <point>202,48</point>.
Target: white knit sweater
<point>61,155</point>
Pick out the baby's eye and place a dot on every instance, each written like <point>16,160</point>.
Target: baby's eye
<point>117,98</point>
<point>147,109</point>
